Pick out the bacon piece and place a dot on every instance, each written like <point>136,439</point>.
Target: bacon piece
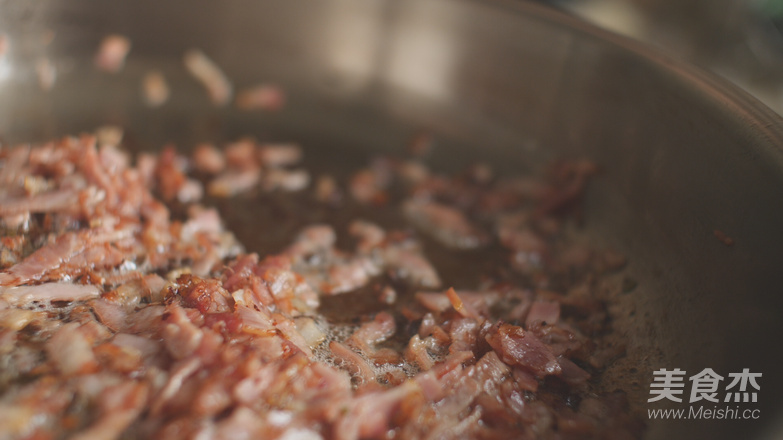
<point>411,266</point>
<point>49,292</point>
<point>547,312</point>
<point>571,373</point>
<point>369,234</point>
<point>284,180</point>
<point>416,353</point>
<point>255,322</point>
<point>241,155</point>
<point>47,73</point>
<point>366,187</point>
<point>461,307</point>
<point>370,333</point>
<point>463,333</point>
<point>155,89</point>
<point>313,239</point>
<point>12,172</point>
<point>210,76</point>
<point>58,200</point>
<point>43,260</point>
<point>180,336</point>
<point>352,362</point>
<point>518,347</point>
<point>310,331</point>
<point>279,155</point>
<point>288,328</point>
<point>208,296</point>
<point>369,415</point>
<point>445,224</point>
<point>232,183</point>
<point>179,372</point>
<point>208,159</point>
<point>144,320</point>
<point>261,97</point>
<point>327,191</point>
<point>119,406</point>
<point>436,302</point>
<point>348,276</point>
<point>112,52</point>
<point>70,352</point>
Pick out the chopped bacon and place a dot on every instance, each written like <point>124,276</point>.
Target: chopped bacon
<point>261,97</point>
<point>571,373</point>
<point>382,327</point>
<point>518,347</point>
<point>369,234</point>
<point>279,155</point>
<point>211,77</point>
<point>348,276</point>
<point>180,336</point>
<point>369,415</point>
<point>352,362</point>
<point>49,292</point>
<point>112,52</point>
<point>463,334</point>
<point>327,191</point>
<point>417,354</point>
<point>234,182</point>
<point>43,260</point>
<point>294,180</point>
<point>208,159</point>
<point>447,225</point>
<point>70,351</point>
<point>47,73</point>
<point>155,88</point>
<point>195,339</point>
<point>411,266</point>
<point>436,302</point>
<point>543,311</point>
<point>60,200</point>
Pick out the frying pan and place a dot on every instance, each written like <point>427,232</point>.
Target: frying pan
<point>509,83</point>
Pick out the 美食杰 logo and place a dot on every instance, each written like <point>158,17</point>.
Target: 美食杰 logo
<point>705,388</point>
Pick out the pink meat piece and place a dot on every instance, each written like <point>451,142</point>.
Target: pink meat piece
<point>208,159</point>
<point>49,292</point>
<point>112,52</point>
<point>58,200</point>
<point>412,266</point>
<point>180,336</point>
<point>416,353</point>
<point>353,362</point>
<point>119,406</point>
<point>515,346</point>
<point>447,225</point>
<point>463,333</point>
<point>261,97</point>
<point>369,415</point>
<point>370,333</point>
<point>232,183</point>
<point>543,312</point>
<point>70,351</point>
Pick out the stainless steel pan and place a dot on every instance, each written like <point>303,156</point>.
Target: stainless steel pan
<point>507,82</point>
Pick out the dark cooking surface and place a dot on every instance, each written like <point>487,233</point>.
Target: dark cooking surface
<point>684,153</point>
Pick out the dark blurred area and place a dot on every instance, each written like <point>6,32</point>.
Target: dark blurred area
<point>741,40</point>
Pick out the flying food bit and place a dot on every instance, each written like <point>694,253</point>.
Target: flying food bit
<point>112,53</point>
<point>261,97</point>
<point>210,76</point>
<point>725,239</point>
<point>155,89</point>
<point>47,73</point>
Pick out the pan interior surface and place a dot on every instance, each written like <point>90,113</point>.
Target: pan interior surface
<point>512,85</point>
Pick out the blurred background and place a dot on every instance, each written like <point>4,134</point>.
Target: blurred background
<point>741,40</point>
